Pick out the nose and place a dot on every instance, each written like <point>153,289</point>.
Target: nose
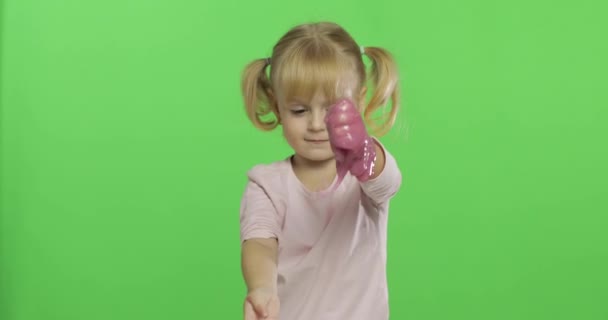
<point>317,120</point>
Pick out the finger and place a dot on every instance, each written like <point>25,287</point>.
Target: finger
<point>340,117</point>
<point>342,137</point>
<point>261,309</point>
<point>358,168</point>
<point>341,113</point>
<point>363,169</point>
<point>343,104</point>
<point>342,168</point>
<point>273,309</point>
<point>249,312</point>
<point>339,154</point>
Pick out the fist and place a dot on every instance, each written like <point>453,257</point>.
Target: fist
<point>354,149</point>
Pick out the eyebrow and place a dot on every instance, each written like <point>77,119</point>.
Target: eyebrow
<point>302,102</point>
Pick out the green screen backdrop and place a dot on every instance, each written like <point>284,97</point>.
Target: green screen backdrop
<point>124,149</point>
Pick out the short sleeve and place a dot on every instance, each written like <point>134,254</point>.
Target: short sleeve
<point>258,215</point>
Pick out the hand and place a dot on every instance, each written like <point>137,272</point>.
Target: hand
<point>354,149</point>
<point>262,304</point>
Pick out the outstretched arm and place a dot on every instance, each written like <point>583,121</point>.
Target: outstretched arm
<point>259,265</point>
<point>260,230</point>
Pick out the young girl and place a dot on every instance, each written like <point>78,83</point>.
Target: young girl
<point>313,225</point>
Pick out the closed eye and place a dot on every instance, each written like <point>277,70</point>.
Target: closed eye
<point>298,111</point>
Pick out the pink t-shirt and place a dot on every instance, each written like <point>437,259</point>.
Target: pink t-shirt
<point>332,246</point>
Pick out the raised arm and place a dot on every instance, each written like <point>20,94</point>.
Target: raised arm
<point>361,154</point>
<point>386,178</point>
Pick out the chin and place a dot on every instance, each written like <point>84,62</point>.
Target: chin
<point>317,156</point>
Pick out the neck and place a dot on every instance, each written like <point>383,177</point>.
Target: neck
<point>306,164</point>
<point>314,175</point>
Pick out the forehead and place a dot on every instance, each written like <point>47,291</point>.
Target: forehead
<point>318,97</point>
<point>314,78</point>
<point>313,93</point>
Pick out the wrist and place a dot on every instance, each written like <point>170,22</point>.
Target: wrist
<point>379,161</point>
<point>265,287</point>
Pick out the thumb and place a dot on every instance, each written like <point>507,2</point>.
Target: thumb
<point>260,307</point>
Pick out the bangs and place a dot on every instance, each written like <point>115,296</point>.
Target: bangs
<point>302,73</point>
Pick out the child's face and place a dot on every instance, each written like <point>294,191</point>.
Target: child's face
<point>304,127</point>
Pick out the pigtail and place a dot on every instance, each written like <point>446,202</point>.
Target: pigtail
<point>257,95</point>
<point>385,82</point>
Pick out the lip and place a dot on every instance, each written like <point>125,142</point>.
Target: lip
<point>316,140</point>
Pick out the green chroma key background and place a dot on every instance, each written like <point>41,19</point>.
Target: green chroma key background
<point>124,149</point>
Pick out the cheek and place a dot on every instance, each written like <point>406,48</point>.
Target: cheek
<point>294,125</point>
<point>291,129</point>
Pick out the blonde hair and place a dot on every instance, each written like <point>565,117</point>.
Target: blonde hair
<point>317,56</point>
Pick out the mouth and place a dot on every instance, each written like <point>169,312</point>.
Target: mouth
<point>316,140</point>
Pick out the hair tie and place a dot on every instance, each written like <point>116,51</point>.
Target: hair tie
<point>362,48</point>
